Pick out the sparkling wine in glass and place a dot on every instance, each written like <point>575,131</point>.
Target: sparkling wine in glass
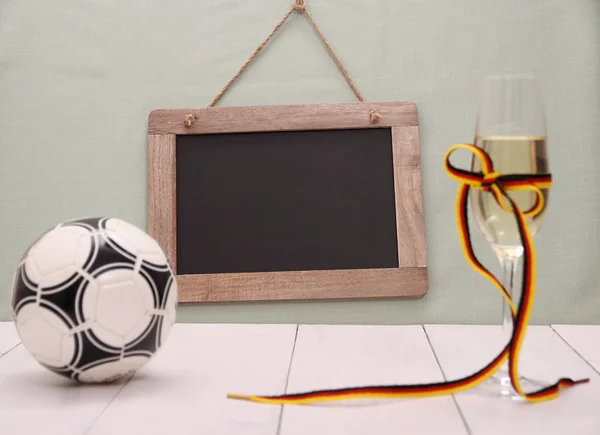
<point>511,128</point>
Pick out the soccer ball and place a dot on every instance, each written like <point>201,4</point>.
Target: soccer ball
<point>93,299</point>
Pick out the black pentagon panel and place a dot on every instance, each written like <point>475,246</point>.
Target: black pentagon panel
<point>66,299</point>
<point>87,222</point>
<point>161,280</point>
<point>169,287</point>
<point>93,352</point>
<point>116,241</point>
<point>21,290</point>
<point>163,323</point>
<point>148,338</point>
<point>151,284</point>
<point>110,239</point>
<point>64,285</point>
<point>159,267</point>
<point>107,255</point>
<point>65,371</point>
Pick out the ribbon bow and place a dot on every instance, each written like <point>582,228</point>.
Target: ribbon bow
<point>498,184</point>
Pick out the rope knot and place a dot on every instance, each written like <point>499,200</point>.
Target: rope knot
<point>374,116</point>
<point>189,120</point>
<point>489,179</point>
<point>299,5</point>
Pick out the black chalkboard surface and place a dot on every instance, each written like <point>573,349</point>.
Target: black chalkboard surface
<point>285,201</point>
<point>289,202</point>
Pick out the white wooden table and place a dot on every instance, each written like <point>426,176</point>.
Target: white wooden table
<point>182,390</point>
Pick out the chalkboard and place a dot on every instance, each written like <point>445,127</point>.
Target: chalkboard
<point>284,201</point>
<point>289,202</point>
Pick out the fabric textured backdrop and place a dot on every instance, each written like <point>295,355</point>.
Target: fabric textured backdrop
<point>77,81</point>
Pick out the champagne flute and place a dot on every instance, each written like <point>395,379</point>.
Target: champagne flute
<point>511,128</point>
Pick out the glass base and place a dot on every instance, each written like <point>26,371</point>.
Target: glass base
<point>499,385</point>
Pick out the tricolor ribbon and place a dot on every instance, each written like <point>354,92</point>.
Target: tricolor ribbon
<point>497,184</point>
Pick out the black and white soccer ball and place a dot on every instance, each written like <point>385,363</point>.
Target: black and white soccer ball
<point>93,299</point>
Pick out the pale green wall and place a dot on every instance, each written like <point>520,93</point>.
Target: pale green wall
<point>78,79</point>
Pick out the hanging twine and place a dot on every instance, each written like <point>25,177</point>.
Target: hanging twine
<point>300,7</point>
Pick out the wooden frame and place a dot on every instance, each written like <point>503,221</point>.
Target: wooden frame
<point>409,280</point>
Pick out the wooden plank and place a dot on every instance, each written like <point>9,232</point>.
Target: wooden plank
<point>583,339</point>
<point>314,285</point>
<point>344,356</point>
<point>34,400</point>
<point>282,117</point>
<point>462,350</point>
<point>184,389</point>
<point>8,337</point>
<point>162,200</point>
<point>410,221</point>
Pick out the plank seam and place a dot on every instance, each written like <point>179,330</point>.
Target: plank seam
<point>287,379</point>
<point>574,350</point>
<point>9,350</point>
<point>107,405</point>
<point>462,416</point>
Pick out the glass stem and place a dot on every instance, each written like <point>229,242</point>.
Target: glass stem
<point>509,264</point>
<point>509,270</point>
